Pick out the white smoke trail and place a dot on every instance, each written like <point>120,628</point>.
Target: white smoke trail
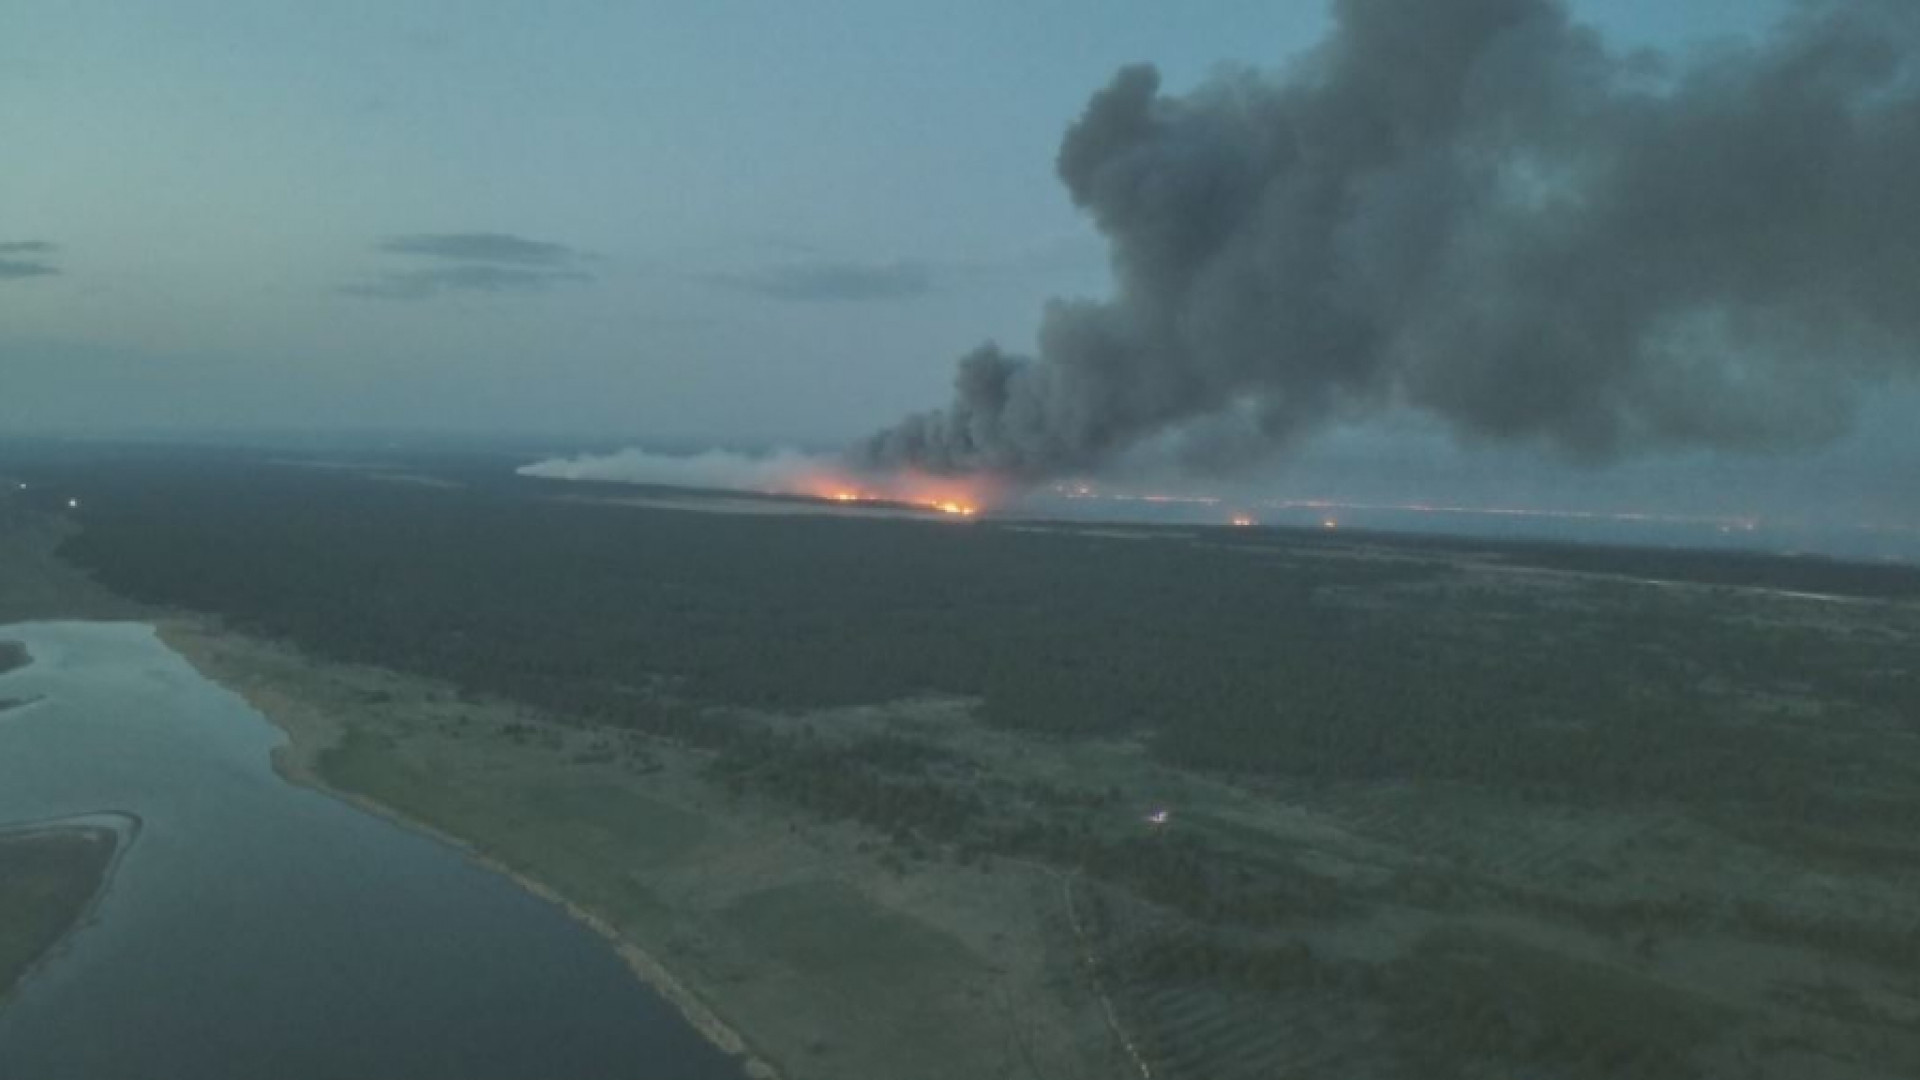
<point>781,470</point>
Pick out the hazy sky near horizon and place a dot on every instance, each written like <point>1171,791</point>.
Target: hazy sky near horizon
<point>735,221</point>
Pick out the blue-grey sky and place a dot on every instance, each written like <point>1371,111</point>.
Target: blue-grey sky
<point>748,220</point>
<point>732,221</point>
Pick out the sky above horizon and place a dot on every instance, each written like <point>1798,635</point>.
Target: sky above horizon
<point>733,221</point>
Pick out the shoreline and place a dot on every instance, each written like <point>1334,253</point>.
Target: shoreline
<point>120,830</point>
<point>292,762</point>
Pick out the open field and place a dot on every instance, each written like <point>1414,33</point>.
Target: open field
<point>876,792</point>
<point>48,878</point>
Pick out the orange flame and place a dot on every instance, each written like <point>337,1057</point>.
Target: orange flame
<point>939,495</point>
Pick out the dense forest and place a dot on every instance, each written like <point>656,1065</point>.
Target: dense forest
<point>1265,654</point>
<point>1441,696</point>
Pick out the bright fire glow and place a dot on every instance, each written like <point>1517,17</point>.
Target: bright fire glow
<point>1242,521</point>
<point>937,495</point>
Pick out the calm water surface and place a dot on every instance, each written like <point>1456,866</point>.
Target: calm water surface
<point>256,929</point>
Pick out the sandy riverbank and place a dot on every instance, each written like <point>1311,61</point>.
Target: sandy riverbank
<point>312,731</point>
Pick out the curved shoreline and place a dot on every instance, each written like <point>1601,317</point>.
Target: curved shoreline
<point>123,827</point>
<point>288,764</point>
<point>647,969</point>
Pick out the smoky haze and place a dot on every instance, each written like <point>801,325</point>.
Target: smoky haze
<point>1478,210</point>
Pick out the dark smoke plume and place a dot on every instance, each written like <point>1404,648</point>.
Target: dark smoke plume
<point>1474,208</point>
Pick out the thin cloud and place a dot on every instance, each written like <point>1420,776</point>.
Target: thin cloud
<point>827,282</point>
<point>12,267</point>
<point>482,247</point>
<point>478,262</point>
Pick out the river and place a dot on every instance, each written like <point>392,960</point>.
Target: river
<point>257,929</point>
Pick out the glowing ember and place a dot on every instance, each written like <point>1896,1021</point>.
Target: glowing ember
<point>1242,521</point>
<point>950,507</point>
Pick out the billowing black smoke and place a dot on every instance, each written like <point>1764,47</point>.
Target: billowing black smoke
<point>1474,208</point>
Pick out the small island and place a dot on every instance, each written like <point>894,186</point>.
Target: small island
<point>48,879</point>
<point>12,655</point>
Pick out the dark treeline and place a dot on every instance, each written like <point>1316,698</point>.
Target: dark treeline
<point>1727,567</point>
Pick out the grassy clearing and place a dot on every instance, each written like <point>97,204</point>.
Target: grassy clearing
<point>47,879</point>
<point>607,819</point>
<point>803,926</point>
<point>840,947</point>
